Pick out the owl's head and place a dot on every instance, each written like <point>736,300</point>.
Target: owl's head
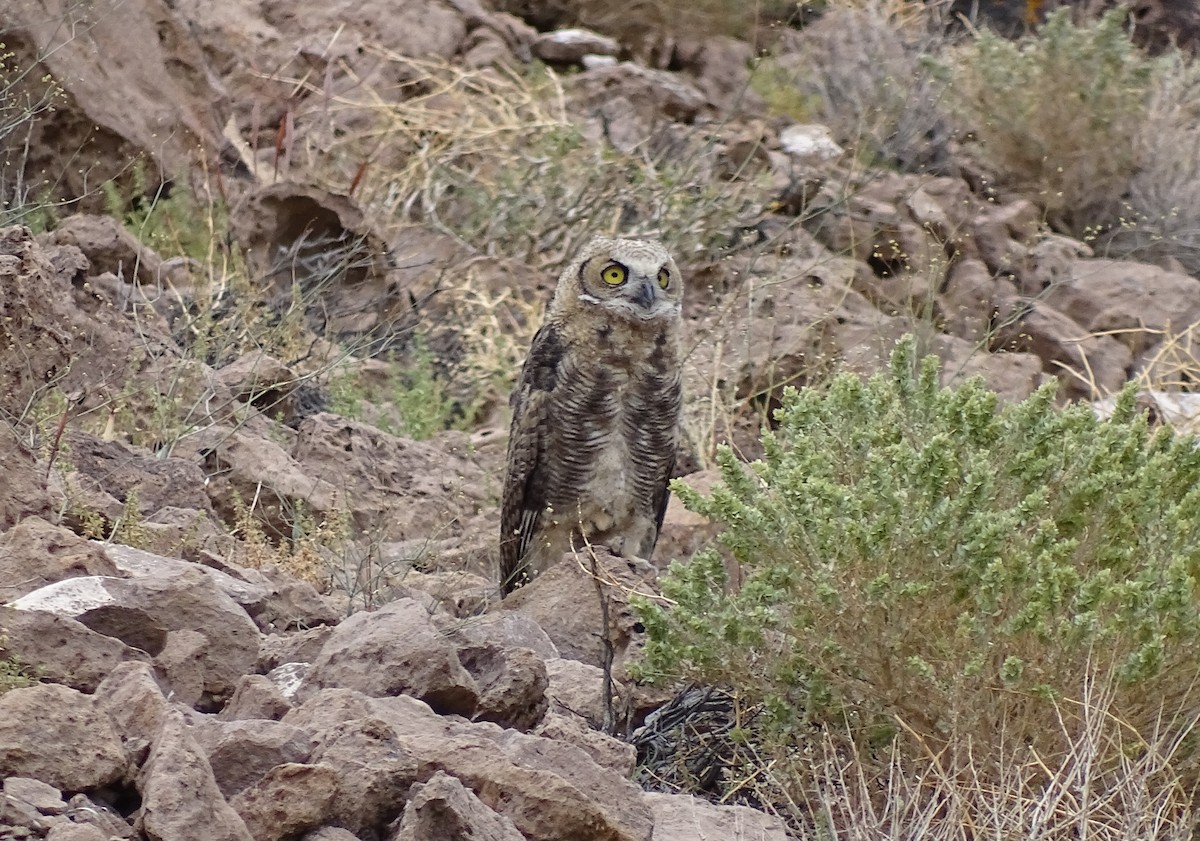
<point>633,279</point>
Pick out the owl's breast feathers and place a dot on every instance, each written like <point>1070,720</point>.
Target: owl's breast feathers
<point>593,437</point>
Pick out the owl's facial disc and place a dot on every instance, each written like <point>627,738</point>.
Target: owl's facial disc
<point>641,290</point>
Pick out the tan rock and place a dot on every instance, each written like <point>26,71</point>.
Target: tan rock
<point>134,702</point>
<point>444,808</point>
<point>578,689</point>
<point>395,650</point>
<point>289,800</point>
<point>375,769</point>
<point>240,753</point>
<point>565,602</point>
<point>60,649</point>
<point>549,790</point>
<point>255,697</point>
<point>606,751</point>
<point>140,612</point>
<point>394,487</point>
<point>35,553</point>
<point>681,817</point>
<point>59,736</point>
<point>511,681</point>
<point>180,798</point>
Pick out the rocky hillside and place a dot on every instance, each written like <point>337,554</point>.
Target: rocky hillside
<point>268,273</point>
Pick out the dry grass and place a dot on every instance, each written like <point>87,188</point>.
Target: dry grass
<point>862,70</point>
<point>1106,782</point>
<point>1160,217</point>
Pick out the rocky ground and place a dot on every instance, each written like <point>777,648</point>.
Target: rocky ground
<point>244,615</point>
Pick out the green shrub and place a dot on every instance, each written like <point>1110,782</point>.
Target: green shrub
<point>1057,113</point>
<point>409,400</point>
<point>914,554</point>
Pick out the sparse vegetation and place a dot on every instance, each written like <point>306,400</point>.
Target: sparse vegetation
<point>927,568</point>
<point>13,673</point>
<point>1058,114</point>
<point>409,401</point>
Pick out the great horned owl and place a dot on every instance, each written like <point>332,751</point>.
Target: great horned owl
<point>595,412</point>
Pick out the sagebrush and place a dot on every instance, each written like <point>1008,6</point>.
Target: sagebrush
<point>912,560</point>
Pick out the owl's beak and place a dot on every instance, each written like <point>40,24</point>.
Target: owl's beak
<point>644,297</point>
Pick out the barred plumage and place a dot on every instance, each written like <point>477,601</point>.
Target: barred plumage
<point>595,412</point>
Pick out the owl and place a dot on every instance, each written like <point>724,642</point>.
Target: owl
<point>595,412</point>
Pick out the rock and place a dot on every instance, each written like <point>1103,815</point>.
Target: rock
<point>140,612</point>
<point>547,789</point>
<point>681,817</point>
<point>180,797</point>
<point>288,679</point>
<point>331,833</point>
<point>289,800</point>
<point>134,702</point>
<point>108,246</point>
<point>119,469</point>
<point>61,650</point>
<point>240,753</point>
<point>1099,294</point>
<point>443,808</point>
<point>720,67</point>
<point>83,811</point>
<point>509,630</point>
<point>569,46</point>
<point>809,144</point>
<point>292,647</point>
<point>375,769</point>
<point>59,736</point>
<point>34,554</point>
<point>461,594</point>
<point>45,798</point>
<point>628,103</point>
<point>683,532</point>
<point>241,466</point>
<point>1013,376</point>
<point>153,105</point>
<point>180,663</point>
<point>255,697</point>
<point>394,488</point>
<point>1086,365</point>
<point>606,751</point>
<point>75,832</point>
<point>512,684</point>
<point>578,689</point>
<point>23,493</point>
<point>263,382</point>
<point>970,301</point>
<point>391,651</point>
<point>565,602</point>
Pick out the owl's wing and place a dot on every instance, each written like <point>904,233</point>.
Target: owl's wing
<point>524,484</point>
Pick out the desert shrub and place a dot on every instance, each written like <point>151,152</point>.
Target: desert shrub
<point>864,73</point>
<point>24,98</point>
<point>495,160</point>
<point>14,674</point>
<point>1160,214</point>
<point>917,561</point>
<point>1057,114</point>
<point>416,397</point>
<point>633,23</point>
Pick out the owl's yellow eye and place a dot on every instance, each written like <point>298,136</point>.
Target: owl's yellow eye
<point>664,278</point>
<point>614,274</point>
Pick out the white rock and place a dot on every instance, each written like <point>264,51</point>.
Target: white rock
<point>810,142</point>
<point>69,597</point>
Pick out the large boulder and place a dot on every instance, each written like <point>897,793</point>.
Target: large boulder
<point>60,736</point>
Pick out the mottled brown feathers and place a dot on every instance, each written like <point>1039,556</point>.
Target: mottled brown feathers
<point>595,412</point>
